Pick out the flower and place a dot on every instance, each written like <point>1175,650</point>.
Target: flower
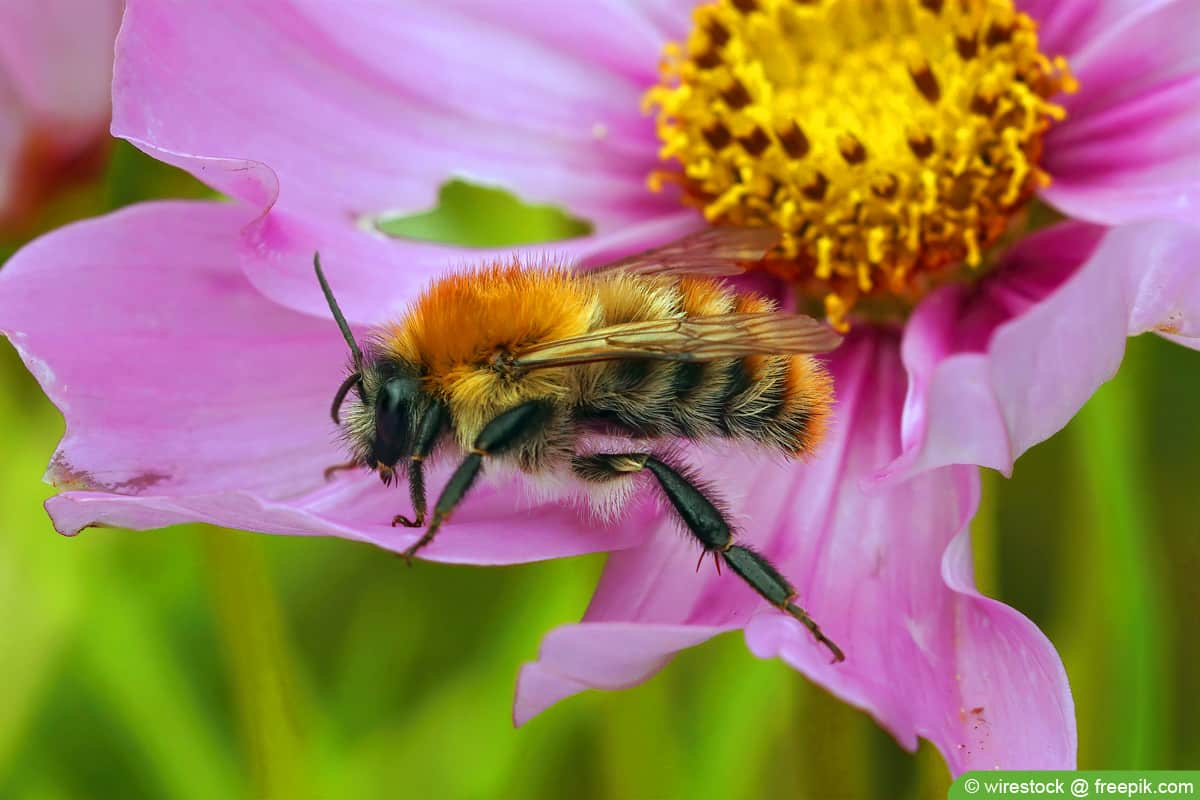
<point>55,63</point>
<point>322,121</point>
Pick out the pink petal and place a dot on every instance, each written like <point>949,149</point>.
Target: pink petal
<point>1128,149</point>
<point>672,17</point>
<point>190,396</point>
<point>886,573</point>
<point>607,35</point>
<point>14,124</point>
<point>1133,48</point>
<point>599,655</point>
<point>55,70</point>
<point>1066,26</point>
<point>401,97</point>
<point>57,56</point>
<point>143,332</point>
<point>999,369</point>
<point>375,278</point>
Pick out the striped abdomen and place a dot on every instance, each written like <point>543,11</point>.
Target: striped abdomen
<point>776,401</point>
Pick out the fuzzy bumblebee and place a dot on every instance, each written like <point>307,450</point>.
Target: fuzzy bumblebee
<point>544,368</point>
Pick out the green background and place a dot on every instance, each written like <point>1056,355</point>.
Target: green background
<point>201,663</point>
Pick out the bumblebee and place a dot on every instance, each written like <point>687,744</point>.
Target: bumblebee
<point>541,368</point>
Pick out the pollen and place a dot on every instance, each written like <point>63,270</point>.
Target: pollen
<point>889,141</point>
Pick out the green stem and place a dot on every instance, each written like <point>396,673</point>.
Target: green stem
<point>1121,557</point>
<point>150,697</point>
<point>746,705</point>
<point>984,537</point>
<point>260,666</point>
<point>834,742</point>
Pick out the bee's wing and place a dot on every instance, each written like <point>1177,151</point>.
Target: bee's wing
<point>713,251</point>
<point>690,339</point>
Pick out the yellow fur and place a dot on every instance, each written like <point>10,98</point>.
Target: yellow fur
<point>704,297</point>
<point>632,298</point>
<point>756,366</point>
<point>809,390</point>
<point>463,321</point>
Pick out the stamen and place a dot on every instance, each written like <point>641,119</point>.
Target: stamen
<point>889,142</point>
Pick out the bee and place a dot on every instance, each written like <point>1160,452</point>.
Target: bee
<point>530,365</point>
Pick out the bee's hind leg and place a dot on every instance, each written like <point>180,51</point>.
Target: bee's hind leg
<point>707,523</point>
<point>504,432</point>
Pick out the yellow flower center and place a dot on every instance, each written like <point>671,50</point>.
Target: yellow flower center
<point>889,141</point>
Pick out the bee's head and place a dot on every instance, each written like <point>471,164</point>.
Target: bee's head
<point>381,425</point>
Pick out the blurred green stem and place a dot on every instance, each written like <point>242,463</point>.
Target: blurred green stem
<point>984,541</point>
<point>260,665</point>
<point>1121,568</point>
<point>749,705</point>
<point>834,743</point>
<point>148,692</point>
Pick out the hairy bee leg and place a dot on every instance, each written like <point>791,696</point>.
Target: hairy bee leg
<point>760,573</point>
<point>331,471</point>
<point>416,490</point>
<point>705,554</point>
<point>708,525</point>
<point>454,491</point>
<point>432,423</point>
<point>498,436</point>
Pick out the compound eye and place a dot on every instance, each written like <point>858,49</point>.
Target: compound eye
<point>393,420</point>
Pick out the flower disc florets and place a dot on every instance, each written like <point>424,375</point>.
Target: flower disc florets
<point>889,141</point>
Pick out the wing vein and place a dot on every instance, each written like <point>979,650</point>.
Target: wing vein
<point>687,339</point>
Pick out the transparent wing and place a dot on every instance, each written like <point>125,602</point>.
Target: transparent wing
<point>691,339</point>
<point>714,251</point>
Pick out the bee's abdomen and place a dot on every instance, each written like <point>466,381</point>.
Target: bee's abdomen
<point>636,397</point>
<point>781,402</point>
<point>777,401</point>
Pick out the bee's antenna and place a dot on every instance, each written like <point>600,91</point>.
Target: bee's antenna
<point>337,315</point>
<point>353,380</point>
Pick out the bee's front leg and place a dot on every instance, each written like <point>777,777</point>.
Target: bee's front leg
<point>336,468</point>
<point>416,488</point>
<point>431,426</point>
<point>501,434</point>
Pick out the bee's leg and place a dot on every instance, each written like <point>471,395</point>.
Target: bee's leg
<point>352,464</point>
<point>706,522</point>
<point>499,435</point>
<point>431,425</point>
<point>416,490</point>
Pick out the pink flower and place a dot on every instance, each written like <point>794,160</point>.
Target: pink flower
<point>55,70</point>
<point>194,358</point>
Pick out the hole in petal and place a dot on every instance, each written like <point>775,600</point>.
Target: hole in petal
<point>482,216</point>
